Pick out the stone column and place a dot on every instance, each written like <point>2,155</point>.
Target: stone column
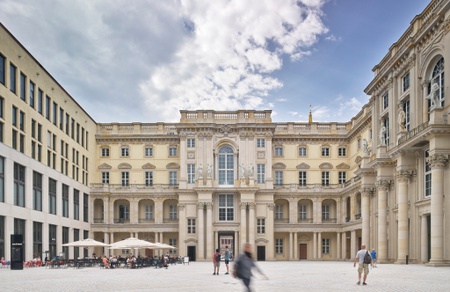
<point>243,235</point>
<point>382,252</point>
<point>201,231</point>
<point>338,245</point>
<point>437,162</point>
<point>296,257</point>
<point>314,245</point>
<point>270,232</point>
<point>291,244</point>
<point>209,231</point>
<point>365,215</point>
<point>424,239</point>
<point>159,211</point>
<point>182,227</point>
<point>344,245</point>
<point>402,231</point>
<point>251,223</point>
<point>353,247</point>
<point>319,245</point>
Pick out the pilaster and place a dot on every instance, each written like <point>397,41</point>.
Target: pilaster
<point>402,177</point>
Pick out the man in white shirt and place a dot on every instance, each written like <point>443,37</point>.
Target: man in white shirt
<point>362,266</point>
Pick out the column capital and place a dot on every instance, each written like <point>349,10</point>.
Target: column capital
<point>243,205</point>
<point>181,206</point>
<point>209,205</point>
<point>383,185</point>
<point>251,205</point>
<point>438,160</point>
<point>200,205</point>
<point>404,175</point>
<point>366,191</point>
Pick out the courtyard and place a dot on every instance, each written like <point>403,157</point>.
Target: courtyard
<point>197,276</point>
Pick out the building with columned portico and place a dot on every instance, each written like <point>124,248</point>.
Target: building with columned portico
<point>295,191</point>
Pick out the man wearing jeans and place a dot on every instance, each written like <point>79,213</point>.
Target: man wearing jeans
<point>362,266</point>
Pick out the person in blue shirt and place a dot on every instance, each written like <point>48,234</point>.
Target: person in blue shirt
<point>374,258</point>
<point>227,259</point>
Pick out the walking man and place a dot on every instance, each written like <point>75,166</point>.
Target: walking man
<point>216,262</point>
<point>243,266</point>
<point>227,259</point>
<point>363,263</point>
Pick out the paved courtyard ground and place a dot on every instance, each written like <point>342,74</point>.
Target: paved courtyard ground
<point>197,276</point>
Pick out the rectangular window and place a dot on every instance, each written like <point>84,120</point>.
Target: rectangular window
<point>65,239</point>
<point>14,116</point>
<point>407,110</point>
<point>67,124</point>
<point>12,78</point>
<point>23,93</point>
<point>65,201</point>
<point>325,245</point>
<point>47,107</point>
<point>260,142</point>
<point>2,103</point>
<point>405,82</point>
<point>190,143</point>
<point>37,191</point>
<point>173,242</point>
<point>105,177</point>
<point>172,151</point>
<point>85,207</point>
<point>19,185</point>
<point>52,196</point>
<point>342,177</point>
<point>325,212</point>
<point>260,225</point>
<point>22,121</point>
<point>325,178</point>
<point>76,237</point>
<point>76,204</point>
<point>278,177</point>
<point>279,245</point>
<point>226,207</point>
<point>125,178</point>
<point>55,113</point>
<point>61,119</point>
<point>39,101</point>
<point>302,151</point>
<point>149,178</point>
<point>105,152</point>
<point>2,179</point>
<point>302,178</point>
<point>173,212</point>
<point>173,178</point>
<point>2,69</point>
<point>278,212</point>
<point>124,152</point>
<point>191,173</point>
<point>261,173</point>
<point>191,226</point>
<point>31,94</point>
<point>302,212</point>
<point>72,128</point>
<point>427,172</point>
<point>149,213</point>
<point>148,151</point>
<point>342,152</point>
<point>385,101</point>
<point>325,151</point>
<point>278,151</point>
<point>37,238</point>
<point>386,133</point>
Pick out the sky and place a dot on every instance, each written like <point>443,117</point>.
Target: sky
<point>145,60</point>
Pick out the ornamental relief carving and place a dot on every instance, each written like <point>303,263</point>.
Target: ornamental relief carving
<point>383,185</point>
<point>438,160</point>
<point>261,154</point>
<point>191,155</point>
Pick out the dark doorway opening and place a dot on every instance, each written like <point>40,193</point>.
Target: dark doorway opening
<point>191,253</point>
<point>303,251</point>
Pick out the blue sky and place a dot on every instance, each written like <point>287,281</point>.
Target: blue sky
<point>128,61</point>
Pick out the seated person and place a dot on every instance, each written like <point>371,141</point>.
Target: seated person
<point>106,262</point>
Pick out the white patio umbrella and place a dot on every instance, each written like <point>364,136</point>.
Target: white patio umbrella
<point>87,242</point>
<point>131,242</point>
<point>158,245</point>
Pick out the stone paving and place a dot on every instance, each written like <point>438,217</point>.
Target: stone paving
<point>197,276</point>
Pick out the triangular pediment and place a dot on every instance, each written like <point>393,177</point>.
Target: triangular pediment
<point>124,166</point>
<point>303,166</point>
<point>148,166</point>
<point>343,166</point>
<point>279,165</point>
<point>326,165</point>
<point>104,166</point>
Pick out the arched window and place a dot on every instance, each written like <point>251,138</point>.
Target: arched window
<point>226,166</point>
<point>437,77</point>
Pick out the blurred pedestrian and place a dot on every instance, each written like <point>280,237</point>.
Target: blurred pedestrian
<point>243,266</point>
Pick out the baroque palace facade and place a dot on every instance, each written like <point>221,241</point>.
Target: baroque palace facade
<point>312,191</point>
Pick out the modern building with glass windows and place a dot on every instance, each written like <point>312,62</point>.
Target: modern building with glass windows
<point>296,191</point>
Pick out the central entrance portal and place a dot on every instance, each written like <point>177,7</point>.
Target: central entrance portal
<point>226,239</point>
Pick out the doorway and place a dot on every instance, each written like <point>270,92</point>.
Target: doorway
<point>303,251</point>
<point>191,253</point>
<point>261,253</point>
<point>226,239</point>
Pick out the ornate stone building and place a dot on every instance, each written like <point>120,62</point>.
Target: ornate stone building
<point>296,191</point>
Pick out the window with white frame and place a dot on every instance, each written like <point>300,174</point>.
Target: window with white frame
<point>325,178</point>
<point>278,177</point>
<point>437,77</point>
<point>105,152</point>
<point>407,110</point>
<point>226,165</point>
<point>19,185</point>
<point>325,245</point>
<point>386,133</point>
<point>302,212</point>
<point>149,212</point>
<point>302,151</point>
<point>149,178</point>
<point>405,82</point>
<point>261,173</point>
<point>148,151</point>
<point>190,143</point>
<point>302,178</point>
<point>260,142</point>
<point>278,212</point>
<point>124,152</point>
<point>105,177</point>
<point>172,151</point>
<point>427,174</point>
<point>260,225</point>
<point>173,242</point>
<point>279,245</point>
<point>191,226</point>
<point>342,177</point>
<point>191,173</point>
<point>342,151</point>
<point>385,101</point>
<point>173,180</point>
<point>226,207</point>
<point>125,178</point>
<point>278,151</point>
<point>325,151</point>
<point>325,212</point>
<point>173,212</point>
